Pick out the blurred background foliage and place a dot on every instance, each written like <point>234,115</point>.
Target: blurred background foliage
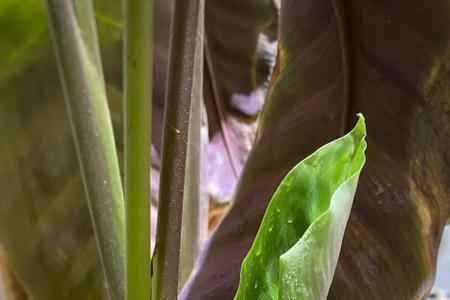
<point>22,26</point>
<point>45,228</point>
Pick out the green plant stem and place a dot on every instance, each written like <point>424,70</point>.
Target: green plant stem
<point>138,96</point>
<point>177,121</point>
<point>74,36</point>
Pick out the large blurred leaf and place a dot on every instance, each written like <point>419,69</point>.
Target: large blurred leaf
<point>38,145</point>
<point>297,245</point>
<point>21,28</point>
<point>38,158</point>
<point>45,229</point>
<point>390,61</point>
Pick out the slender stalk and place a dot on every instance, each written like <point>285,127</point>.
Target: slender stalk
<point>185,46</point>
<point>219,108</point>
<point>138,96</point>
<point>74,36</point>
<point>191,231</point>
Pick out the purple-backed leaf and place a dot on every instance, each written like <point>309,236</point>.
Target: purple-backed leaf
<point>390,61</point>
<point>239,36</point>
<point>240,47</point>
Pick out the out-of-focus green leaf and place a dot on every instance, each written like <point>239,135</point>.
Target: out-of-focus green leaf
<point>297,246</point>
<point>388,60</point>
<point>45,229</point>
<point>21,31</point>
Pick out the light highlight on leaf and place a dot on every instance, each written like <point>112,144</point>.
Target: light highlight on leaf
<point>297,246</point>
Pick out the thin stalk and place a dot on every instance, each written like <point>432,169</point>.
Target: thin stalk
<point>219,108</point>
<point>191,230</point>
<point>182,87</point>
<point>138,53</point>
<point>72,26</point>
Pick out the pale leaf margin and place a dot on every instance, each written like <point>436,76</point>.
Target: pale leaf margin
<point>297,246</point>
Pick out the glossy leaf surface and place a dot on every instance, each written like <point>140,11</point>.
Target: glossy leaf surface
<point>297,245</point>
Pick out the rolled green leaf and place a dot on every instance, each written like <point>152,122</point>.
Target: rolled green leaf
<point>297,246</point>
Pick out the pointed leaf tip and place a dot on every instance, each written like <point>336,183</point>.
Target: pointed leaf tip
<point>296,249</point>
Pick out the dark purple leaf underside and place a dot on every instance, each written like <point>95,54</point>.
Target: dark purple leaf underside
<point>390,61</point>
<point>240,39</point>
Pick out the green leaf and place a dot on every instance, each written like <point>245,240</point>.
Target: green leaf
<point>45,227</point>
<point>22,30</point>
<point>296,249</point>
